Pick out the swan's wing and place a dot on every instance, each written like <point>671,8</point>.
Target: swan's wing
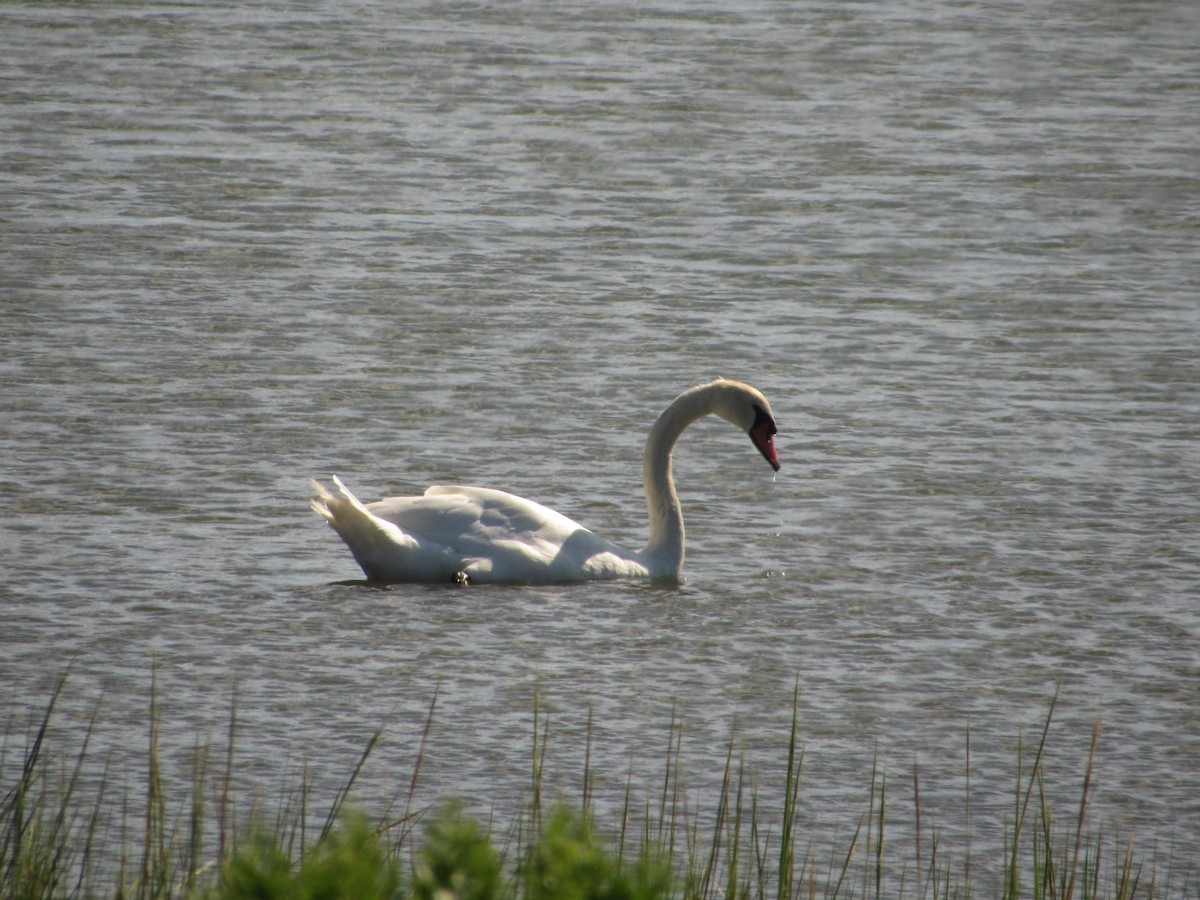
<point>447,514</point>
<point>500,511</point>
<point>500,536</point>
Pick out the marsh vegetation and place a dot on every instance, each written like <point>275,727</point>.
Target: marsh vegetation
<point>68,830</point>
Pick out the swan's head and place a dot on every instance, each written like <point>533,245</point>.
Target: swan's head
<point>746,407</point>
<point>762,433</point>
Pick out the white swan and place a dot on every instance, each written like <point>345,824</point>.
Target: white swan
<point>475,534</point>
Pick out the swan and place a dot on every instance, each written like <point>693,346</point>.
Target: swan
<point>476,534</point>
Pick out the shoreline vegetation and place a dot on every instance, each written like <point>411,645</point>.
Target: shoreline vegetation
<point>65,831</point>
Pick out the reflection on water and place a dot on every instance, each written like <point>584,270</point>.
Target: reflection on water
<point>954,245</point>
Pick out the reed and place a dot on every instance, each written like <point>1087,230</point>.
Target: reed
<point>60,839</point>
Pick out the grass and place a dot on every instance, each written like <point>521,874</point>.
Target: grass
<point>65,831</point>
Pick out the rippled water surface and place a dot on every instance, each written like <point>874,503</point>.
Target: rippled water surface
<point>955,245</point>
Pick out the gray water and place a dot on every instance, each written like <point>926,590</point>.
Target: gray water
<point>955,245</point>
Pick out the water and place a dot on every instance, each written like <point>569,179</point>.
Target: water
<point>955,246</point>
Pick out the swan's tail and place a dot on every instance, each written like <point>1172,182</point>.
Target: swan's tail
<point>375,542</point>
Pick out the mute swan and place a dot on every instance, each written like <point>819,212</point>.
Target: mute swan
<point>475,534</point>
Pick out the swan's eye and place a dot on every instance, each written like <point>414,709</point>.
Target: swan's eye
<point>763,418</point>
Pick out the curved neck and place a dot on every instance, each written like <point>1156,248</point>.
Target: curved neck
<point>664,550</point>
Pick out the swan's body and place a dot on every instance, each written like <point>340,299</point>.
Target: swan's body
<point>453,533</point>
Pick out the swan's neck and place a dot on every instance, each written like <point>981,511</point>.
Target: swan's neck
<point>664,550</point>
